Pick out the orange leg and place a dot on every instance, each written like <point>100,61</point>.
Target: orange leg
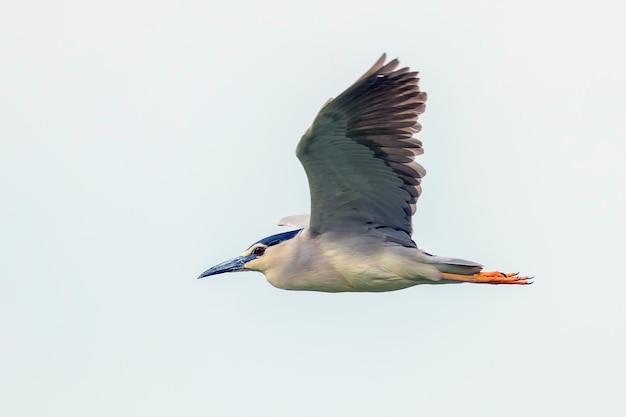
<point>491,277</point>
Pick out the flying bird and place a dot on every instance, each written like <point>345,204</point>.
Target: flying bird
<point>359,156</point>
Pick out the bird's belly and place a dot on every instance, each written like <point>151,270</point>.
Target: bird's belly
<point>340,284</point>
<point>351,271</point>
<point>377,277</point>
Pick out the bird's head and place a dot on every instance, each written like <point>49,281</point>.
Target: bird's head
<point>259,256</point>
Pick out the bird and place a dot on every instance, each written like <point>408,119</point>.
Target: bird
<point>359,158</point>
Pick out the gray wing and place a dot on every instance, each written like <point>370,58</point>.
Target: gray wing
<point>297,221</point>
<point>359,155</point>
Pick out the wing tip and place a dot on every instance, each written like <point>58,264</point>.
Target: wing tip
<point>380,67</point>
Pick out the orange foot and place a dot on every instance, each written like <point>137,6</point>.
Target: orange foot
<point>491,277</point>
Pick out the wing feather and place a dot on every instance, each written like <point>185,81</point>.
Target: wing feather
<point>359,154</point>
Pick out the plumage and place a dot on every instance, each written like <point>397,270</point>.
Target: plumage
<point>364,183</point>
<point>379,111</point>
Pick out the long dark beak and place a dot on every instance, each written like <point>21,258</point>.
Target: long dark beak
<point>232,265</point>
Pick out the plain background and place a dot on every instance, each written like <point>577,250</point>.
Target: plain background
<point>142,142</point>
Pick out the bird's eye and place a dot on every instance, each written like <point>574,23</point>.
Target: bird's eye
<point>259,250</point>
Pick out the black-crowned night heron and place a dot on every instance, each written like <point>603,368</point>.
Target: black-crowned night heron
<point>359,158</point>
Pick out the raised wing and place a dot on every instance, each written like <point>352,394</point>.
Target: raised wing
<point>359,155</point>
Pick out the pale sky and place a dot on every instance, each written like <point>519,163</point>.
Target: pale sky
<point>142,142</point>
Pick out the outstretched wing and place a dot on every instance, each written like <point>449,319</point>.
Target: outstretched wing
<point>359,155</point>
